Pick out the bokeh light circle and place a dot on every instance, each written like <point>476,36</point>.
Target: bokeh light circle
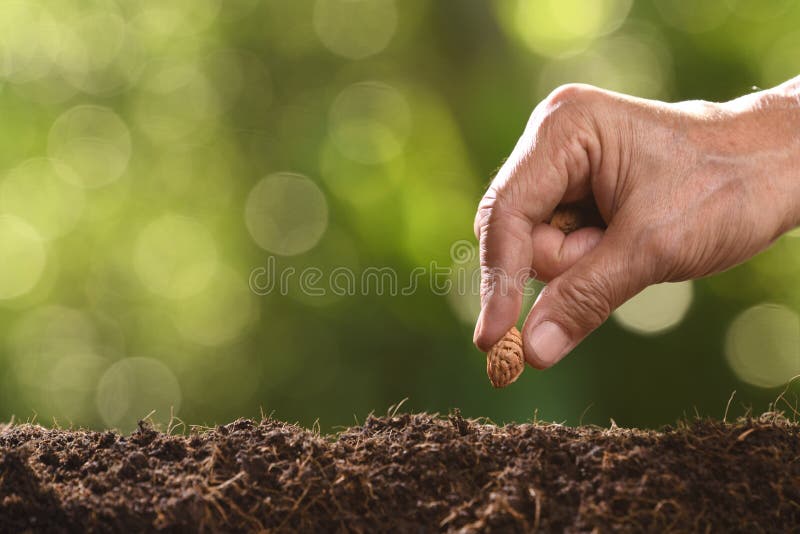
<point>286,214</point>
<point>90,39</point>
<point>45,334</point>
<point>55,352</point>
<point>68,383</point>
<point>356,183</point>
<point>355,29</point>
<point>369,122</point>
<point>177,101</point>
<point>175,256</point>
<point>159,21</point>
<point>99,54</point>
<point>132,388</point>
<point>656,309</point>
<point>29,40</point>
<point>561,27</point>
<point>22,257</point>
<point>762,345</point>
<point>94,142</point>
<point>635,62</point>
<point>36,191</point>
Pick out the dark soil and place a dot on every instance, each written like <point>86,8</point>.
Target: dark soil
<point>405,473</point>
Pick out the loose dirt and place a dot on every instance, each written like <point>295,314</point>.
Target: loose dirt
<point>405,473</point>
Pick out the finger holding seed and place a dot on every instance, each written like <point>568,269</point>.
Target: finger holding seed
<point>563,238</point>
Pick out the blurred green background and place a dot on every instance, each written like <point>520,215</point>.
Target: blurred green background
<point>159,158</point>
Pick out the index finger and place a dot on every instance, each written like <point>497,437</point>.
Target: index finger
<point>552,162</point>
<point>522,194</point>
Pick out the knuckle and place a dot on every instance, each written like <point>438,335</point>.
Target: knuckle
<point>564,101</point>
<point>500,201</point>
<point>493,282</point>
<point>487,211</point>
<point>569,93</point>
<point>565,115</point>
<point>511,193</point>
<point>587,300</point>
<point>700,108</point>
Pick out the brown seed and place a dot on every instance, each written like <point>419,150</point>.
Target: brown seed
<point>505,361</point>
<point>567,219</point>
<point>571,217</point>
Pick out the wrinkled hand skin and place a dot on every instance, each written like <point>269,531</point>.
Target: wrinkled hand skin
<point>686,189</point>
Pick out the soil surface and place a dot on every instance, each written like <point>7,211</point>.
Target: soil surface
<point>405,472</point>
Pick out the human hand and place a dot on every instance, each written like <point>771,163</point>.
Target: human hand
<point>686,189</point>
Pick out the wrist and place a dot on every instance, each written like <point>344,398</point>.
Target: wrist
<point>771,120</point>
<point>785,103</point>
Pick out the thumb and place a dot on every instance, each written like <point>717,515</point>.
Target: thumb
<point>581,299</point>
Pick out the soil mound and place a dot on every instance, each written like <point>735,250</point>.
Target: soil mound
<point>409,472</point>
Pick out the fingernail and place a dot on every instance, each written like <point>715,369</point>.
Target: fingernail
<point>548,342</point>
